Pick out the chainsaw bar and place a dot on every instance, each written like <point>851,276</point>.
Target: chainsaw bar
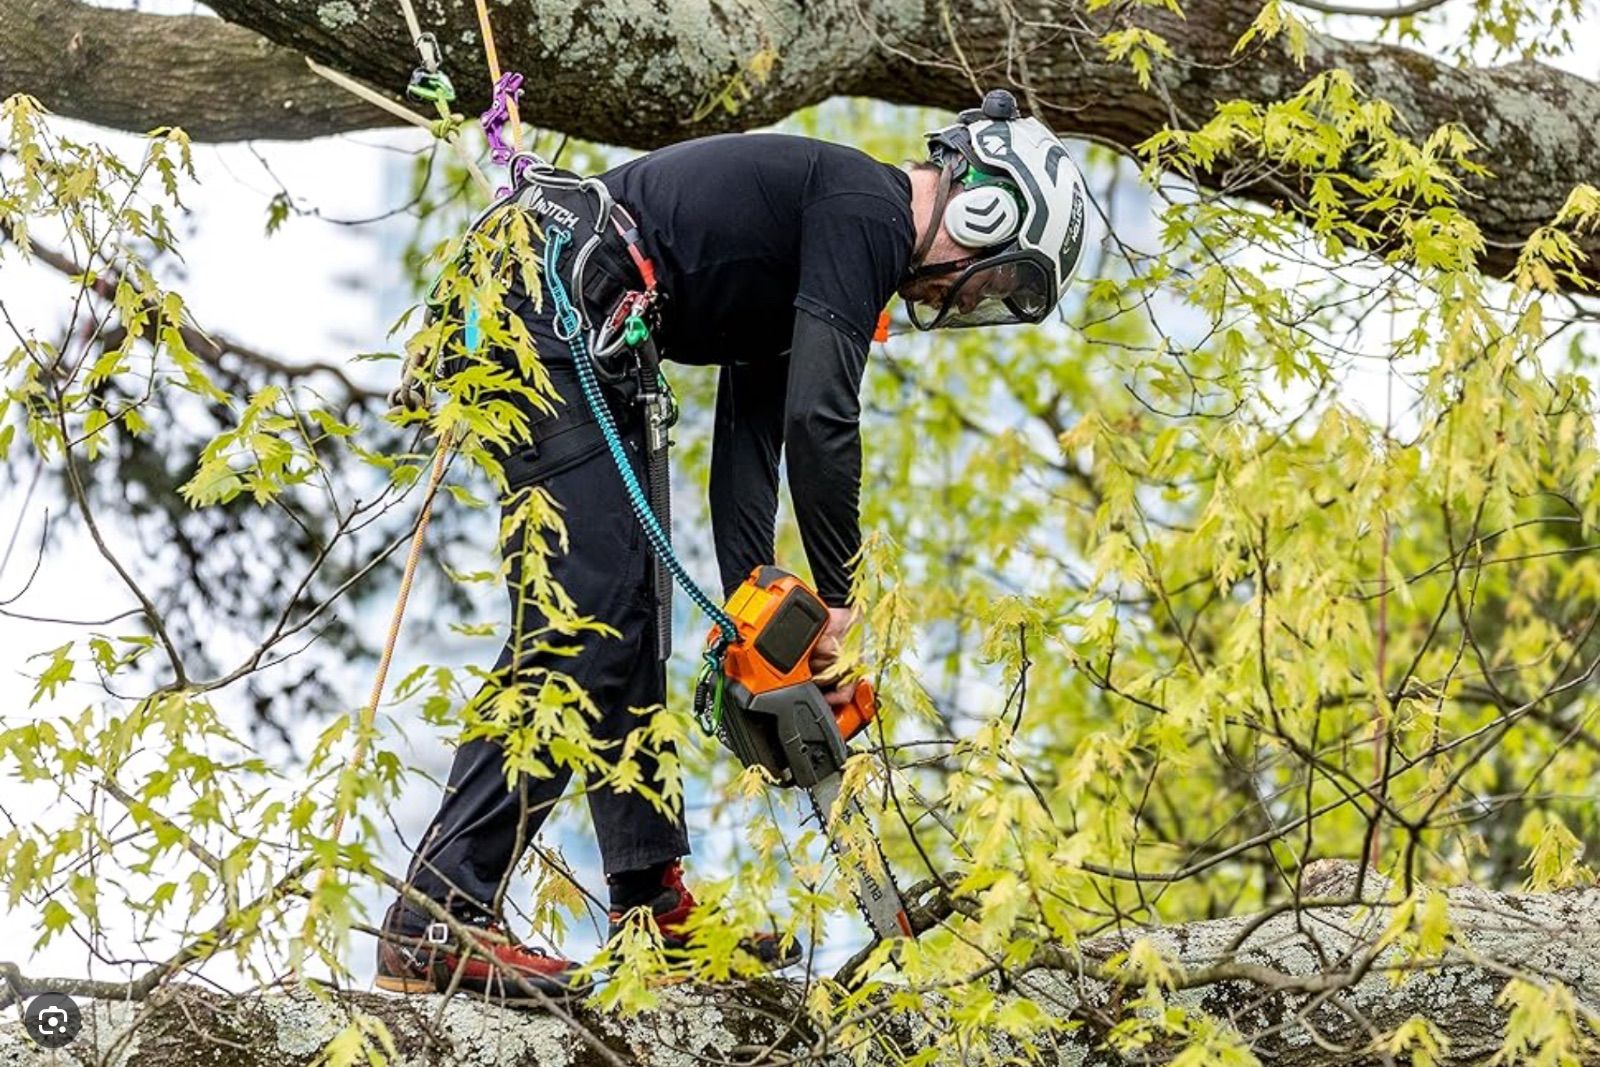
<point>876,895</point>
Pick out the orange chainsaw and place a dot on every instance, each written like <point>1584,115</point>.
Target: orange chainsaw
<point>765,705</point>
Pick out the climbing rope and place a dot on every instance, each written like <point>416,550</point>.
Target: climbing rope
<point>416,30</point>
<point>570,329</point>
<point>413,557</point>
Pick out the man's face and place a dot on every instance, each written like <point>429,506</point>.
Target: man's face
<point>931,291</point>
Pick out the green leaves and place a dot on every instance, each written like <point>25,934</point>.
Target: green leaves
<point>265,454</point>
<point>1550,254</point>
<point>366,1040</point>
<point>1555,853</point>
<point>55,674</point>
<point>1545,1027</point>
<point>1136,45</point>
<point>1272,21</point>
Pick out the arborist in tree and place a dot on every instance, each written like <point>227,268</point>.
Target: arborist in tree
<point>771,256</point>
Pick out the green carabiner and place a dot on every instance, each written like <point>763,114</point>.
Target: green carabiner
<point>431,86</point>
<point>634,331</point>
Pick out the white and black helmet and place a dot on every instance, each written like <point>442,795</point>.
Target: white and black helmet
<point>1009,190</point>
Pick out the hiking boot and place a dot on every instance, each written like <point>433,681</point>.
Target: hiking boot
<point>426,961</point>
<point>670,909</point>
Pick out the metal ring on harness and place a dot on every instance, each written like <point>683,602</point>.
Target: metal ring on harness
<point>522,162</point>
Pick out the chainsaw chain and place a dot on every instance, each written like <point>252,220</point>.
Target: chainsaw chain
<point>843,864</point>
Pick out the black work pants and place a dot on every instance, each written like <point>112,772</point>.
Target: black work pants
<point>483,824</point>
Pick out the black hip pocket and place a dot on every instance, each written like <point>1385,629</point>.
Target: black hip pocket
<point>561,446</point>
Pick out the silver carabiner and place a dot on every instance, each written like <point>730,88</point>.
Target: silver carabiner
<point>605,341</point>
<point>428,50</point>
<point>602,196</point>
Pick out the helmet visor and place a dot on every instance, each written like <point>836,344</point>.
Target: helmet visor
<point>1006,289</point>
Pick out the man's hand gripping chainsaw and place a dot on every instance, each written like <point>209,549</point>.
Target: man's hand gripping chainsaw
<point>770,711</point>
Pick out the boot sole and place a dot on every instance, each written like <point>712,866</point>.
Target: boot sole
<point>397,984</point>
<point>511,995</point>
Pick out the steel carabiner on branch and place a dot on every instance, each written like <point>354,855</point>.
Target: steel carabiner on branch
<point>429,83</point>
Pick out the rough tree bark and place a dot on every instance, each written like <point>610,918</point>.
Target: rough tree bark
<point>132,71</point>
<point>636,72</point>
<point>1308,988</point>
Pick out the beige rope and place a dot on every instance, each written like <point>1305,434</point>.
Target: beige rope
<point>350,85</point>
<point>369,713</point>
<point>412,25</point>
<point>358,753</point>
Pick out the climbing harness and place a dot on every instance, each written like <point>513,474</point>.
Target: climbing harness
<point>561,200</point>
<point>597,347</point>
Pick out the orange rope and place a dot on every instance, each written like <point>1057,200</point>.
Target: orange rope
<point>370,712</point>
<point>494,73</point>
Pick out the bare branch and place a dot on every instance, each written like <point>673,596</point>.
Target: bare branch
<point>1417,7</point>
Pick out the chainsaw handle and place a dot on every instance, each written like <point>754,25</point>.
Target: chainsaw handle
<point>853,717</point>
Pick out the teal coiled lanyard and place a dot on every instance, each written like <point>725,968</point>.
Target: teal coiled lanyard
<point>570,328</point>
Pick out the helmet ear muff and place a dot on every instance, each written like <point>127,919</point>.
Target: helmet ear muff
<point>982,216</point>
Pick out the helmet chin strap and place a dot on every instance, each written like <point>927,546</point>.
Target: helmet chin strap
<point>941,197</point>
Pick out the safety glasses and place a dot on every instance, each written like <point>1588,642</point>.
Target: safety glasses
<point>1009,288</point>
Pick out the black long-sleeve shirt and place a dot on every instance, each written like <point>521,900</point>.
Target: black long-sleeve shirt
<point>776,255</point>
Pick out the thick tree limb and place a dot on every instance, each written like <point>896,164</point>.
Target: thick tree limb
<point>132,71</point>
<point>1306,988</point>
<point>648,72</point>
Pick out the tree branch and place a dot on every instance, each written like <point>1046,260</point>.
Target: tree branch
<point>134,71</point>
<point>618,72</point>
<point>1399,11</point>
<point>1312,985</point>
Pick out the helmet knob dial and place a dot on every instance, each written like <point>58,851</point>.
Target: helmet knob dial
<point>999,104</point>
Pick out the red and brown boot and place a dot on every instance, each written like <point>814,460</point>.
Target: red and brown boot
<point>491,964</point>
<point>670,907</point>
